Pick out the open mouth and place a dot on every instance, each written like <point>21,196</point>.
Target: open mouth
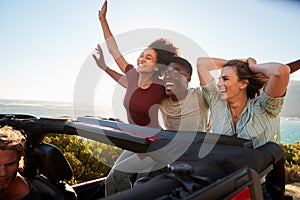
<point>141,65</point>
<point>169,84</point>
<point>222,90</point>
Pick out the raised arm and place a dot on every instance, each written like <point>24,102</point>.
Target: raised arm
<point>110,40</point>
<point>121,79</point>
<point>294,66</point>
<point>278,74</point>
<point>205,65</point>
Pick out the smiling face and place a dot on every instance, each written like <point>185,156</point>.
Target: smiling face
<point>176,80</point>
<point>231,88</point>
<point>147,61</point>
<point>9,164</point>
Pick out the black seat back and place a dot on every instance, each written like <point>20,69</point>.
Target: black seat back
<point>53,170</point>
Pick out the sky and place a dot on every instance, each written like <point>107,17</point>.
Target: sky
<point>46,46</point>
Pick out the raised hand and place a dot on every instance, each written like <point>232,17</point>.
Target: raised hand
<point>99,60</point>
<point>103,11</point>
<point>251,61</point>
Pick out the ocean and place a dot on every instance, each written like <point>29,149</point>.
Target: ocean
<point>290,130</point>
<point>290,127</point>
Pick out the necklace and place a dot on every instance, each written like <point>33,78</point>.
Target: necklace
<point>235,116</point>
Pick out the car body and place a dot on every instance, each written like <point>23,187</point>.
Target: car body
<point>229,169</point>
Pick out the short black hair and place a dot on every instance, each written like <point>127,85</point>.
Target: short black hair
<point>183,62</point>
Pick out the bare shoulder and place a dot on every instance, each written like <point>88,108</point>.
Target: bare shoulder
<point>18,190</point>
<point>22,187</point>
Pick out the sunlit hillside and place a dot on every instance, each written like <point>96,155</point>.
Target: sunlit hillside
<point>291,105</point>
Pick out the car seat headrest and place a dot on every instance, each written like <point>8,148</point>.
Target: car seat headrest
<point>52,163</point>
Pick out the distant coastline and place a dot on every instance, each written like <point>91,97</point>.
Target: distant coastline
<point>290,126</point>
<point>291,105</point>
<point>290,118</point>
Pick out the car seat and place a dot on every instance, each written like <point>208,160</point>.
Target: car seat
<point>53,169</point>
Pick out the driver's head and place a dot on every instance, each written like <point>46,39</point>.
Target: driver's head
<point>176,77</point>
<point>13,140</point>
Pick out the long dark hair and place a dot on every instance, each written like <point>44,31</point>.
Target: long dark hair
<point>165,50</point>
<point>256,80</point>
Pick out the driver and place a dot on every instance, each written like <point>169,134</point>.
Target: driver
<point>12,184</point>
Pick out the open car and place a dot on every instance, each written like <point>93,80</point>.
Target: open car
<point>230,169</point>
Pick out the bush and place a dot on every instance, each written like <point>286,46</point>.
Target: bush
<point>91,160</point>
<point>292,161</point>
<point>88,158</point>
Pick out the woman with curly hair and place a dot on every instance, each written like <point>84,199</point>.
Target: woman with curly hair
<point>144,92</point>
<point>144,88</point>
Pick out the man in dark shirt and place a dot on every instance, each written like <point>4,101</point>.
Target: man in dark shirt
<point>12,184</point>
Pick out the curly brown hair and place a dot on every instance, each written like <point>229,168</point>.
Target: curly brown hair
<point>165,50</point>
<point>256,80</point>
<point>13,139</point>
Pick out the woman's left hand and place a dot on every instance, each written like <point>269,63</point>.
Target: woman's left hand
<point>251,61</point>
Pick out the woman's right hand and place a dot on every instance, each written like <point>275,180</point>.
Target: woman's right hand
<point>103,11</point>
<point>99,60</point>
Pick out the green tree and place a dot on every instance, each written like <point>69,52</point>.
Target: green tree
<point>91,160</point>
<point>88,158</point>
<point>292,161</point>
